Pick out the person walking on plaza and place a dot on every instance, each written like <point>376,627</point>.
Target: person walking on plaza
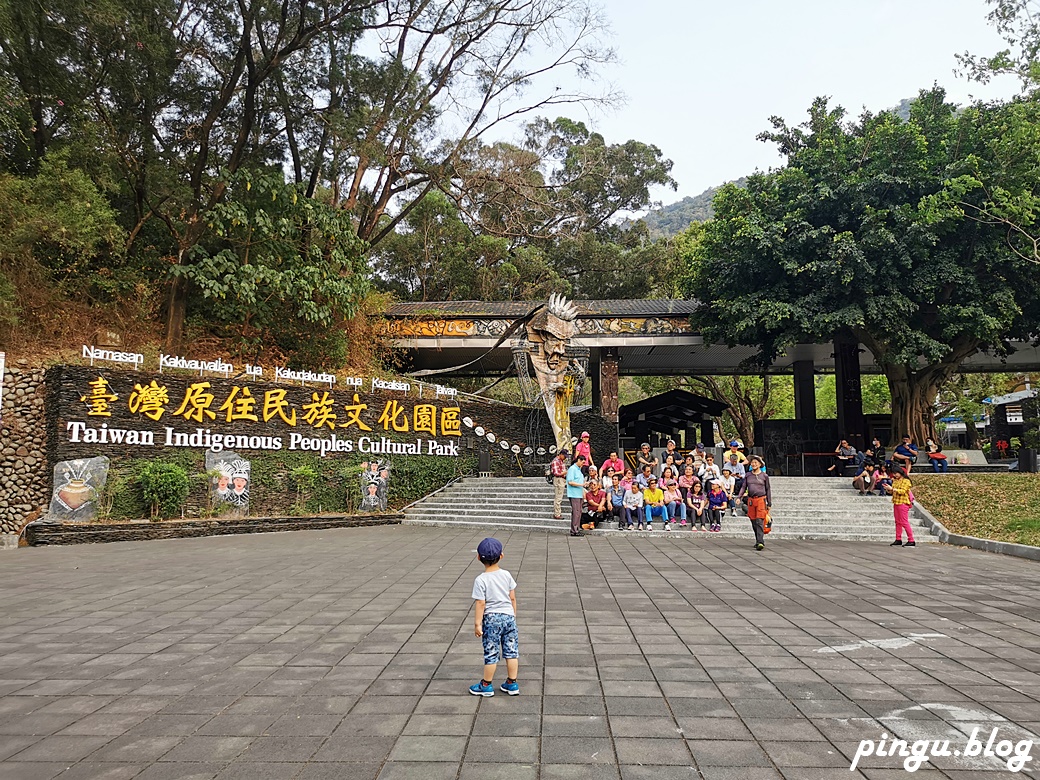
<point>760,499</point>
<point>576,493</point>
<point>902,500</point>
<point>494,597</point>
<point>558,469</point>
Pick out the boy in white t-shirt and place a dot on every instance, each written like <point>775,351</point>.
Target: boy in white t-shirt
<point>494,592</point>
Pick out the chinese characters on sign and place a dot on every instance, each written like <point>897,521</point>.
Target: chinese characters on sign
<point>306,414</point>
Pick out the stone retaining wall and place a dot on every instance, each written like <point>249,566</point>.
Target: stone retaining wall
<point>24,477</point>
<point>40,534</point>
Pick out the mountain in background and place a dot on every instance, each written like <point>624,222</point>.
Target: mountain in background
<point>670,220</point>
<point>674,218</point>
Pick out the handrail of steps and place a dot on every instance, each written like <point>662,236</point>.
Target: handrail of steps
<point>442,488</point>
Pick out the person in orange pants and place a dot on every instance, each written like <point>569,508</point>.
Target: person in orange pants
<point>760,499</point>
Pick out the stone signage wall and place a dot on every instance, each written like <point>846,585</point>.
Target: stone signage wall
<point>294,436</point>
<point>24,473</point>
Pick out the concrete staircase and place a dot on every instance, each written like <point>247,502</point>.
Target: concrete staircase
<point>803,508</point>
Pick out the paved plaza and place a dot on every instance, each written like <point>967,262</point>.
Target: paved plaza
<point>346,654</point>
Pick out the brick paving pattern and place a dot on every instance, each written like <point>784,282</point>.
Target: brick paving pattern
<point>346,655</point>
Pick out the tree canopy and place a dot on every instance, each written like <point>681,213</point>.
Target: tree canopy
<point>847,237</point>
<point>346,116</point>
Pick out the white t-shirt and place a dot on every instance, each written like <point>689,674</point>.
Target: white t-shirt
<point>492,587</point>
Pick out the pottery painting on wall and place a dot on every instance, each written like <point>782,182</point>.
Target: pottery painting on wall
<point>77,484</point>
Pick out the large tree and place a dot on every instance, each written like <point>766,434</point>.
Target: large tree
<point>847,238</point>
<point>369,105</point>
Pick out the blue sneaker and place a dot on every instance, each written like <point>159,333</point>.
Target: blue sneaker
<point>512,688</point>
<point>484,689</point>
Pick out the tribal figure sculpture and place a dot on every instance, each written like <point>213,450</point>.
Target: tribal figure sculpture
<point>549,333</point>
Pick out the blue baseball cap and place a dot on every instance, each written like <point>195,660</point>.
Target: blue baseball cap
<point>489,549</point>
<point>734,443</point>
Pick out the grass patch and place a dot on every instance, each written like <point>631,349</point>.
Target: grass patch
<point>1005,507</point>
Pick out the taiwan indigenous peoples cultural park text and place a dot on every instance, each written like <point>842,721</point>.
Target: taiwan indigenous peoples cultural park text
<point>109,408</point>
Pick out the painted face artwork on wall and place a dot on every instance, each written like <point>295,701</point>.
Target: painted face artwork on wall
<point>375,477</point>
<point>230,482</point>
<point>77,485</point>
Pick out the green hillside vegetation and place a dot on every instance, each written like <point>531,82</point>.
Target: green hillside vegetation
<point>668,221</point>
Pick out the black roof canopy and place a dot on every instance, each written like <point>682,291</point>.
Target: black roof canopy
<point>674,410</point>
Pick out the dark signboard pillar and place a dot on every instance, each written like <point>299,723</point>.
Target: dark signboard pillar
<point>851,423</point>
<point>804,390</point>
<point>608,384</point>
<point>708,433</point>
<point>594,376</point>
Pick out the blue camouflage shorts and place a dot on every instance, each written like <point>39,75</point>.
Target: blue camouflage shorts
<point>499,629</point>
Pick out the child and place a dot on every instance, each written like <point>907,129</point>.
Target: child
<point>494,592</point>
<point>633,507</point>
<point>716,505</point>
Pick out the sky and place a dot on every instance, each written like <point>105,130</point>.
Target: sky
<point>701,79</point>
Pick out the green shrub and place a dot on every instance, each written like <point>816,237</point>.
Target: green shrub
<point>304,479</point>
<point>164,485</point>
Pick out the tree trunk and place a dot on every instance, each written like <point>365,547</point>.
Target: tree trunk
<point>913,404</point>
<point>971,431</point>
<point>176,310</point>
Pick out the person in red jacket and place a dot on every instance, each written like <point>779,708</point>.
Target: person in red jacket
<point>613,462</point>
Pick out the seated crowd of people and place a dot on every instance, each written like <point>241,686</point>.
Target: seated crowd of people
<point>690,490</point>
<point>874,472</point>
